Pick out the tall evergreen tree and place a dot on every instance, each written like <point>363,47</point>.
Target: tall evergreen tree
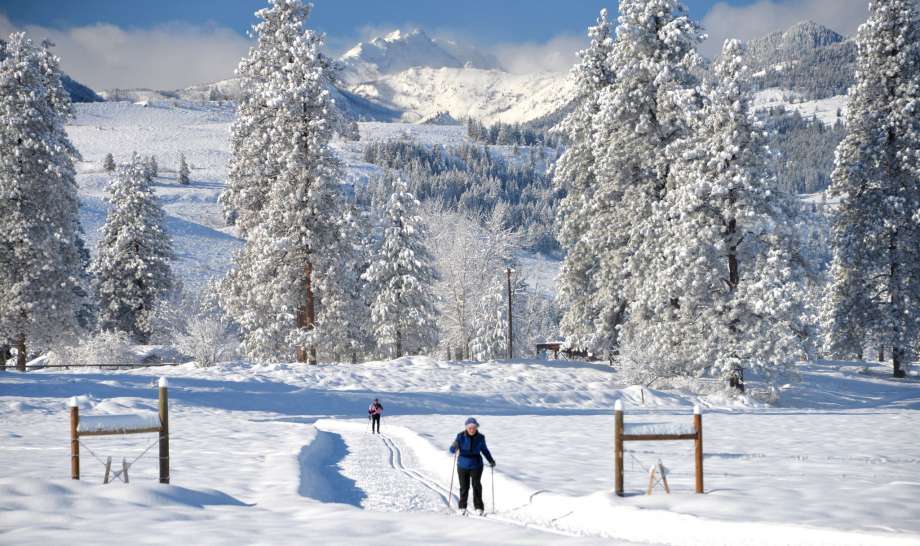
<point>730,252</point>
<point>183,170</point>
<point>636,135</point>
<point>588,322</point>
<point>282,190</point>
<point>132,271</point>
<point>876,263</point>
<point>108,163</point>
<point>401,278</point>
<point>41,271</point>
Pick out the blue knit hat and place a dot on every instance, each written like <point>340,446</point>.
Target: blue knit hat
<point>471,421</point>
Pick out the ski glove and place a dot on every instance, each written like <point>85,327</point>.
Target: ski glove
<point>492,464</point>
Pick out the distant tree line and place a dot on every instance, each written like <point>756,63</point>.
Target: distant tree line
<point>471,178</point>
<point>511,134</point>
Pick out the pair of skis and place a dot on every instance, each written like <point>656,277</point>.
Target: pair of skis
<point>450,491</point>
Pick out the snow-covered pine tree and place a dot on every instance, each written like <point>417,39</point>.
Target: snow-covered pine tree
<point>282,189</point>
<point>400,279</point>
<point>876,263</point>
<point>153,166</point>
<point>638,131</point>
<point>183,170</point>
<point>255,135</point>
<point>40,260</point>
<point>342,320</point>
<point>108,163</point>
<point>587,322</point>
<point>730,251</point>
<point>131,270</point>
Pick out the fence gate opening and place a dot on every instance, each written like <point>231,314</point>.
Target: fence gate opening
<point>640,432</point>
<point>109,425</point>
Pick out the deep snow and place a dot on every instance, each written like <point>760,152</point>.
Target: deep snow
<point>281,453</point>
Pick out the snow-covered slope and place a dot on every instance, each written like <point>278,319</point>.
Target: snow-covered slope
<point>204,244</point>
<point>828,111</point>
<point>489,95</point>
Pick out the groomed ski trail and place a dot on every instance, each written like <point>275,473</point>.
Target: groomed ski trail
<point>357,465</point>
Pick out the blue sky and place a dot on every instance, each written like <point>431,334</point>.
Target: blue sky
<point>506,20</point>
<point>167,44</point>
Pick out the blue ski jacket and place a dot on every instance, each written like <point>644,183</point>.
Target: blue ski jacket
<point>472,448</point>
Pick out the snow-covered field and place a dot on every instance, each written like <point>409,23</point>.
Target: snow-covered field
<point>280,453</point>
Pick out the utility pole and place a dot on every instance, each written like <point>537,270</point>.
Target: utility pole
<point>509,271</point>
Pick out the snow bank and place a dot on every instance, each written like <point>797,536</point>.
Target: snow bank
<point>117,423</point>
<point>643,429</point>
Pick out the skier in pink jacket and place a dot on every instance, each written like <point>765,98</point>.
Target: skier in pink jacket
<point>373,413</point>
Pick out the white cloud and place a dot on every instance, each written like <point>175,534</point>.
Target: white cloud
<point>765,16</point>
<point>556,55</point>
<point>105,56</point>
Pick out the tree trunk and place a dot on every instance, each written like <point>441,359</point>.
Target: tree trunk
<point>736,379</point>
<point>881,354</point>
<point>21,353</point>
<point>307,316</point>
<point>894,294</point>
<point>398,343</point>
<point>5,354</point>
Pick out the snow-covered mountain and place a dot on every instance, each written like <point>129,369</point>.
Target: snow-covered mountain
<point>810,59</point>
<point>399,50</point>
<point>422,76</point>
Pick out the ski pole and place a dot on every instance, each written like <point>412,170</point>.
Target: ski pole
<point>493,488</point>
<point>453,468</point>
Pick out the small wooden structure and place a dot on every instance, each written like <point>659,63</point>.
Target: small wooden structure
<point>108,425</point>
<point>652,433</point>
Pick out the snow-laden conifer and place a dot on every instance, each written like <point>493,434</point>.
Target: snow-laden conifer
<point>635,137</point>
<point>131,270</point>
<point>183,170</point>
<point>282,189</point>
<point>587,322</point>
<point>876,263</point>
<point>726,292</point>
<point>108,163</point>
<point>271,77</point>
<point>153,166</point>
<point>343,320</point>
<point>41,268</point>
<point>400,279</point>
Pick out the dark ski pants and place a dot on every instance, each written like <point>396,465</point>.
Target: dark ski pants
<point>375,422</point>
<point>474,475</point>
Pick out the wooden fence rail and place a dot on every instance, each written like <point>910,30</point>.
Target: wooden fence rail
<point>621,435</point>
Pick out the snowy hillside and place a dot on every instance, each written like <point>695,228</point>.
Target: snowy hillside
<point>828,111</point>
<point>490,95</point>
<point>200,130</point>
<point>281,453</point>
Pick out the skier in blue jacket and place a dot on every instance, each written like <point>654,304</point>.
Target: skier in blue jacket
<point>471,446</point>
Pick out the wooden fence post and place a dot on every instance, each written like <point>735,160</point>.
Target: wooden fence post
<point>698,425</point>
<point>74,440</point>
<point>164,431</point>
<point>618,447</point>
